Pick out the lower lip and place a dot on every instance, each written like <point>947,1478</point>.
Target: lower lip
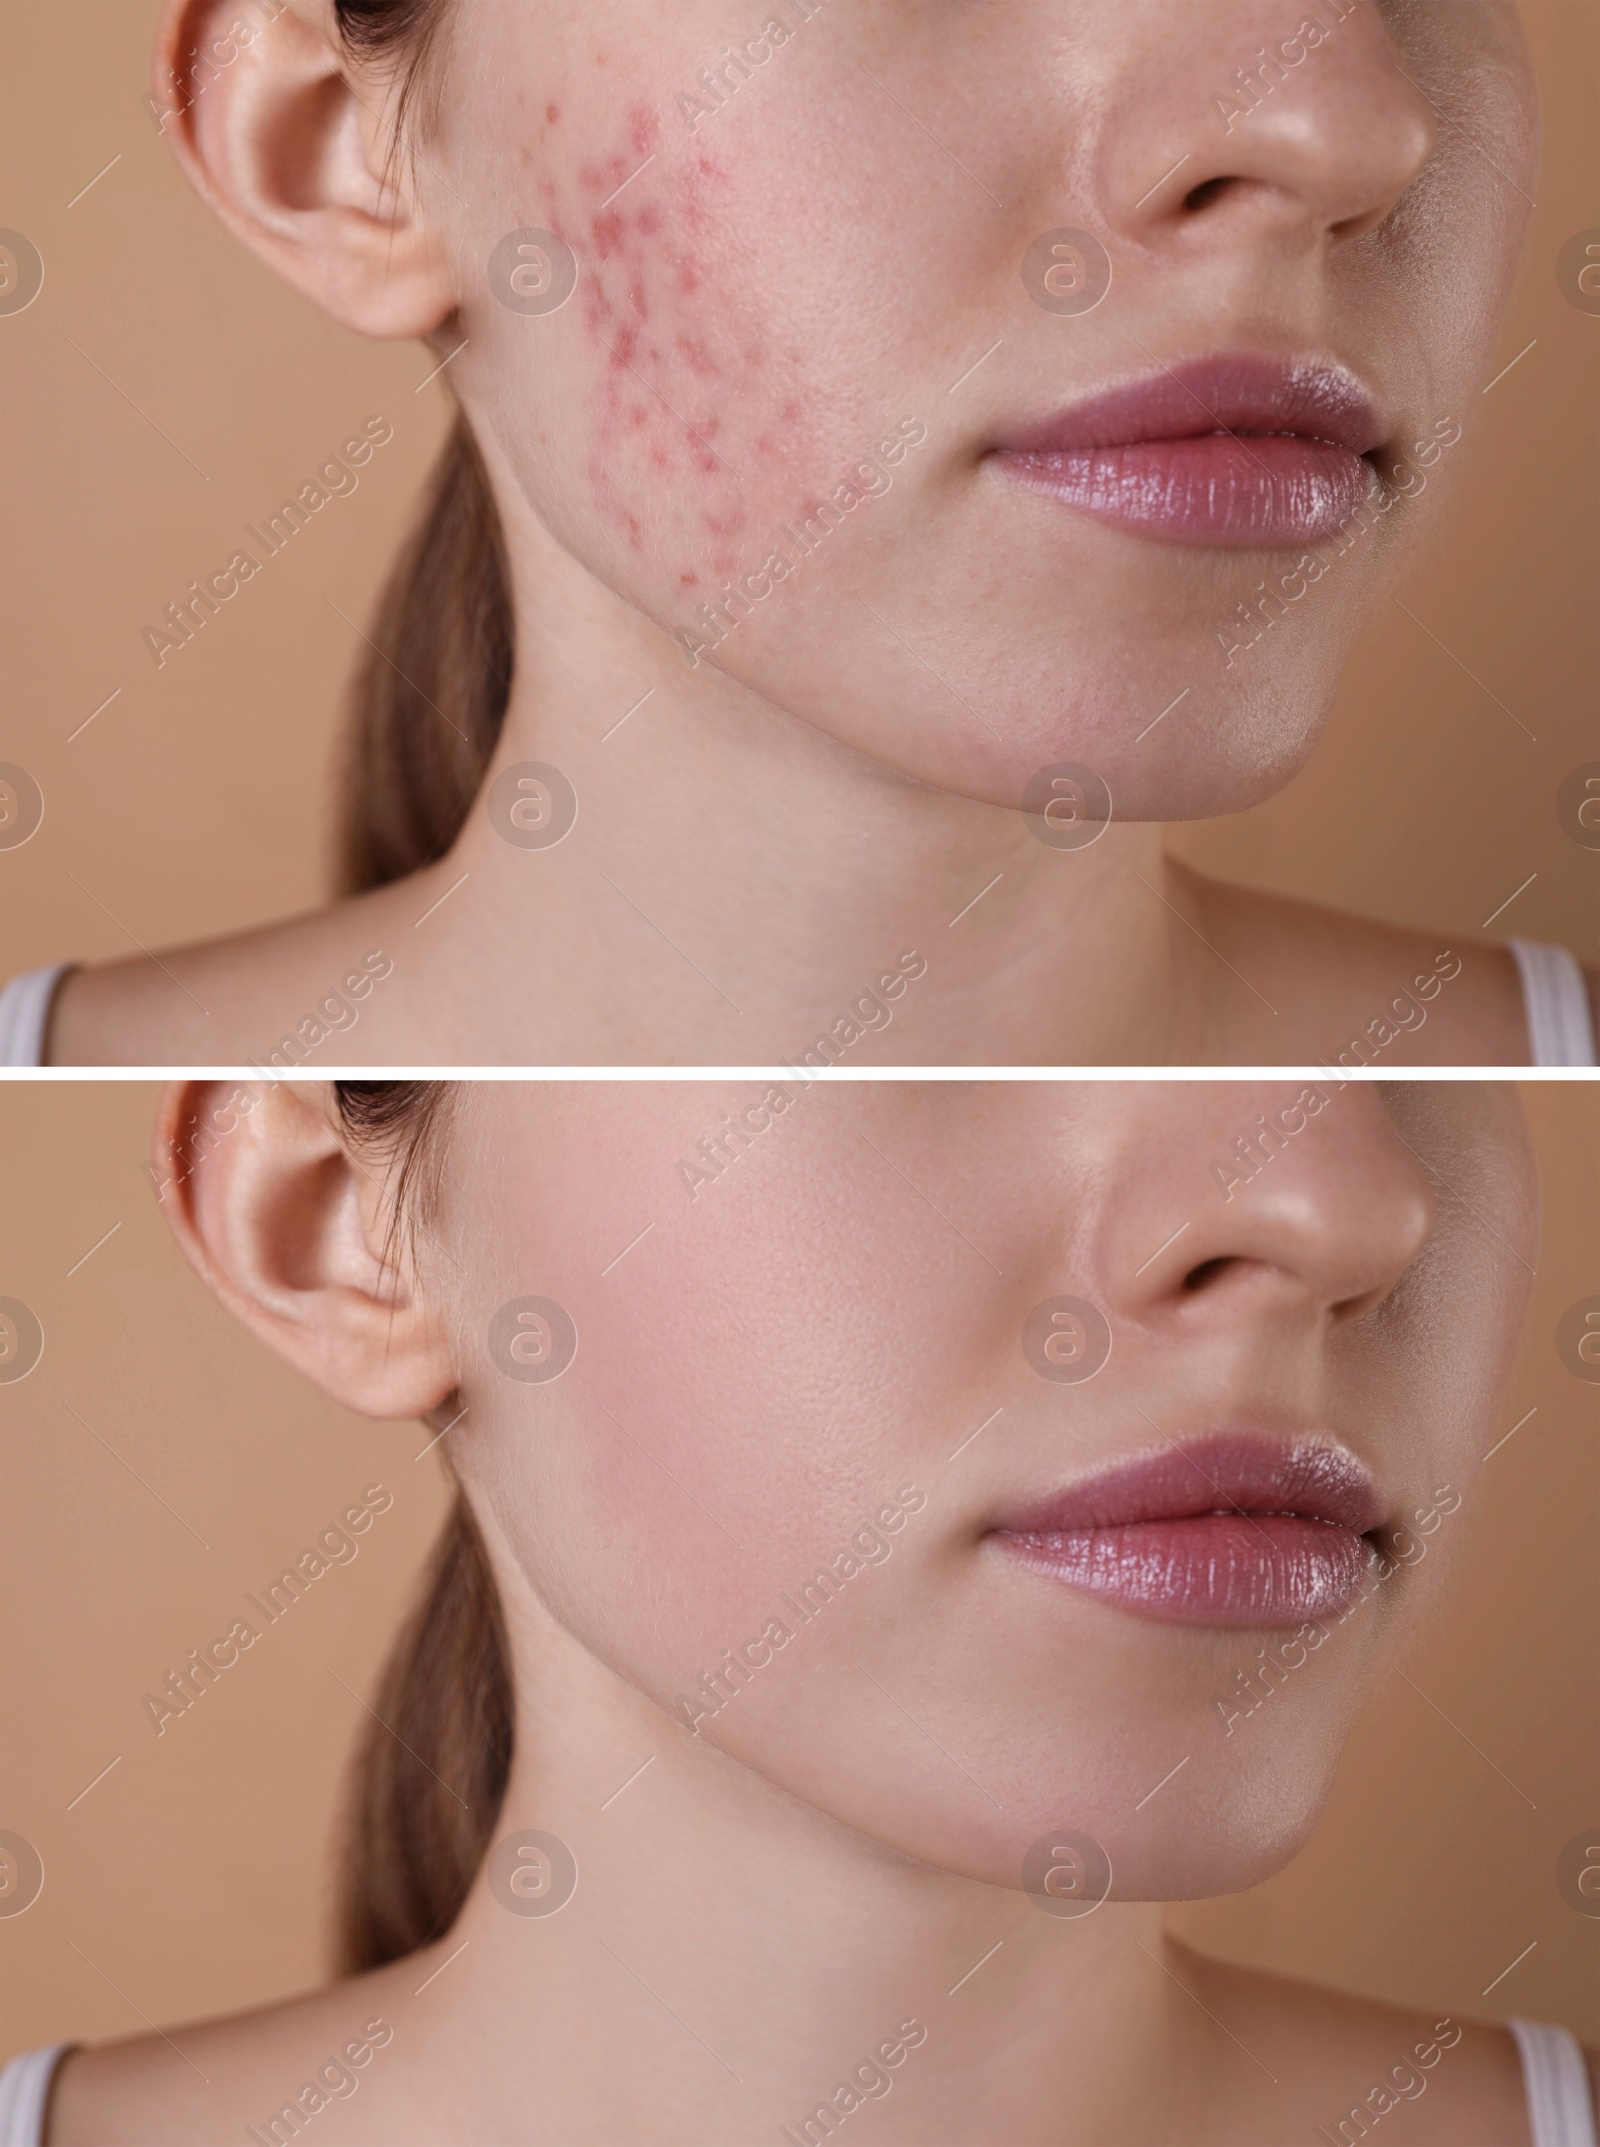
<point>1253,489</point>
<point>1269,1569</point>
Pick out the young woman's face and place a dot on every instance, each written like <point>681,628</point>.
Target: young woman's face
<point>830,365</point>
<point>982,1461</point>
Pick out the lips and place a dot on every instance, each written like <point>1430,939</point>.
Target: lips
<point>1217,1531</point>
<point>1236,451</point>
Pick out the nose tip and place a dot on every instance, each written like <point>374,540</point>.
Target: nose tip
<point>1314,1209</point>
<point>1320,130</point>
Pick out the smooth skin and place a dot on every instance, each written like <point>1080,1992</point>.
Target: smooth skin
<point>794,1345</point>
<point>767,293</point>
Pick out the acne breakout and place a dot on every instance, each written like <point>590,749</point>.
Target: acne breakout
<point>796,540</point>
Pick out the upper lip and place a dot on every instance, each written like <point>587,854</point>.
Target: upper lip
<point>1312,1478</point>
<point>1241,392</point>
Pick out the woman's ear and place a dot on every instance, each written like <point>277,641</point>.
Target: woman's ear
<point>295,1235</point>
<point>295,153</point>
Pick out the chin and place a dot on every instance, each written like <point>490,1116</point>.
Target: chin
<point>1220,756</point>
<point>1234,1836</point>
<point>1199,1863</point>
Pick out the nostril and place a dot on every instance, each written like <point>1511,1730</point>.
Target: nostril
<point>1208,191</point>
<point>1207,1272</point>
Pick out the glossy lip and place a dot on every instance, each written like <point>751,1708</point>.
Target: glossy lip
<point>1231,1529</point>
<point>1236,450</point>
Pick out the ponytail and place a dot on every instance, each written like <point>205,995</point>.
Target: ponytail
<point>431,695</point>
<point>430,1771</point>
<point>430,1774</point>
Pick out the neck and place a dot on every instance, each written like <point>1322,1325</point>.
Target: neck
<point>745,1954</point>
<point>737,880</point>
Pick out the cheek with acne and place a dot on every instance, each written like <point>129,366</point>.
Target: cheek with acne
<point>693,441</point>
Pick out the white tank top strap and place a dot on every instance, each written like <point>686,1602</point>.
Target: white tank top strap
<point>24,1015</point>
<point>1560,2105</point>
<point>24,2093</point>
<point>1560,1018</point>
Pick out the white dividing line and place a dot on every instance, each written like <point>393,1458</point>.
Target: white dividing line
<point>1171,705</point>
<point>644,1233</point>
<point>1517,360</point>
<point>1160,1249</point>
<point>450,1427</point>
<point>633,1777</point>
<point>1500,1978</point>
<point>93,1249</point>
<point>443,362</point>
<point>972,905</point>
<point>984,1426</point>
<point>1511,1434</point>
<point>117,159</point>
<point>1143,1801</point>
<point>1506,904</point>
<point>84,725</point>
<point>449,891</point>
<point>972,1971</point>
<point>616,190</point>
<point>1165,176</point>
<point>638,704</point>
<point>971,369</point>
<point>443,1965</point>
<point>117,1762</point>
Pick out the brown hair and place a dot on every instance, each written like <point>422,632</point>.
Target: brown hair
<point>430,1772</point>
<point>430,696</point>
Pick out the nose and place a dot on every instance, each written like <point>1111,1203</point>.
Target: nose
<point>1236,128</point>
<point>1299,1207</point>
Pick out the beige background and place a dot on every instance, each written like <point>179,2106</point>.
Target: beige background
<point>158,1463</point>
<point>164,389</point>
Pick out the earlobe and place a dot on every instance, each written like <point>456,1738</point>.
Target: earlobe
<point>295,154</point>
<point>293,1234</point>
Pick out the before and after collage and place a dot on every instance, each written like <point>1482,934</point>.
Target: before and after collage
<point>799,989</point>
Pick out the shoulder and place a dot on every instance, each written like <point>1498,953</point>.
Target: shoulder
<point>286,989</point>
<point>214,2079</point>
<point>1327,985</point>
<point>1340,2060</point>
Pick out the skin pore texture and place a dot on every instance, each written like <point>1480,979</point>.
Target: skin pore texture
<point>797,1357</point>
<point>795,629</point>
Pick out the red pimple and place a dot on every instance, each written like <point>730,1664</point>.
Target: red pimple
<point>689,581</point>
<point>644,129</point>
<point>699,358</point>
<point>552,113</point>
